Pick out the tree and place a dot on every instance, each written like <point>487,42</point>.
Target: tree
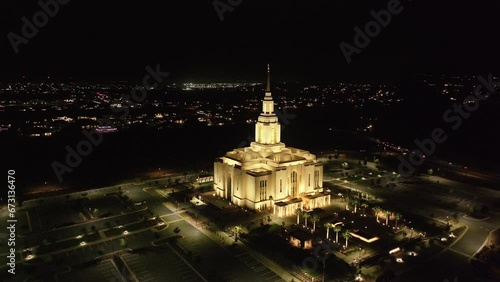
<point>377,211</point>
<point>328,225</point>
<point>387,214</point>
<point>298,212</point>
<point>314,219</point>
<point>346,234</point>
<point>123,242</point>
<point>355,203</point>
<point>397,216</point>
<point>347,202</point>
<point>238,228</point>
<point>364,206</point>
<point>337,229</point>
<point>430,171</point>
<point>306,216</point>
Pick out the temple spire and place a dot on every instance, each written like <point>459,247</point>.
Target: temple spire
<point>268,87</point>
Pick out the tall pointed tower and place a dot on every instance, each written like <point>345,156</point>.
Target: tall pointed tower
<point>267,128</point>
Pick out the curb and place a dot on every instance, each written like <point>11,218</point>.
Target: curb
<point>484,244</point>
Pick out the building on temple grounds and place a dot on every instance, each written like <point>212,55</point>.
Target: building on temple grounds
<point>268,175</point>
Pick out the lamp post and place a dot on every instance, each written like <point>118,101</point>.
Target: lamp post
<point>324,262</point>
<point>323,280</point>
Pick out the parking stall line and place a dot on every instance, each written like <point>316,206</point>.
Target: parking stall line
<point>273,278</point>
<point>260,268</point>
<point>140,270</point>
<point>269,275</point>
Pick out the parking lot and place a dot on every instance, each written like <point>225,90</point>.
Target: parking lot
<point>259,268</point>
<point>105,205</point>
<point>161,265</point>
<point>104,271</point>
<point>57,215</point>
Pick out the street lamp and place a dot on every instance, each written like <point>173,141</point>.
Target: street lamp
<point>323,280</point>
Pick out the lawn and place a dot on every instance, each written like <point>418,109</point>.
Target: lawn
<point>69,243</point>
<point>130,227</point>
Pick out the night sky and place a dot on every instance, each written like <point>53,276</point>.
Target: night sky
<point>117,39</point>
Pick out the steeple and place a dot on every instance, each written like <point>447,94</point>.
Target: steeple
<point>268,88</point>
<point>267,128</point>
<point>268,96</point>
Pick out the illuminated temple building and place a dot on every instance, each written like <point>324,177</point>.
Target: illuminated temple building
<point>269,175</point>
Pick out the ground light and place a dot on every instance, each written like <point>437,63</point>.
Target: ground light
<point>393,251</point>
<point>29,257</point>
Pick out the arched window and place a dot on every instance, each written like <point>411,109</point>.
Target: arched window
<point>294,184</point>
